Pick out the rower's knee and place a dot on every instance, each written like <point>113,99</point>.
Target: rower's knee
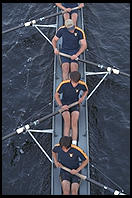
<point>74,66</point>
<point>66,193</point>
<point>74,192</point>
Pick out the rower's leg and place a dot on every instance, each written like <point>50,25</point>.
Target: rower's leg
<point>70,127</point>
<point>74,18</point>
<point>74,118</point>
<point>66,16</point>
<point>65,71</point>
<point>74,188</point>
<point>74,66</point>
<point>66,117</point>
<point>65,187</point>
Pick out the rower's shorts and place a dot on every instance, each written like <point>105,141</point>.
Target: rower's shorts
<point>69,52</point>
<point>69,177</point>
<point>73,11</point>
<point>75,108</point>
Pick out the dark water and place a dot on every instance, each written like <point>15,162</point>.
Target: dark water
<point>27,81</point>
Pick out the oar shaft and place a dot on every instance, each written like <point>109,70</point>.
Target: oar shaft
<point>99,184</point>
<point>125,74</point>
<point>14,28</point>
<point>34,21</point>
<point>78,59</point>
<point>116,192</point>
<point>46,117</point>
<point>49,16</point>
<point>9,135</point>
<point>89,62</point>
<point>55,14</point>
<point>114,70</point>
<point>36,122</point>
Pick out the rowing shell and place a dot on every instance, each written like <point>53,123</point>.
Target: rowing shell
<point>83,135</point>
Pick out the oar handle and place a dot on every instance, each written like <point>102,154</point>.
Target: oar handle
<point>66,55</point>
<point>73,104</point>
<point>69,106</point>
<point>78,174</point>
<point>76,8</point>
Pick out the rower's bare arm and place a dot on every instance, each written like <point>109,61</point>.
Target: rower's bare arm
<point>63,8</point>
<point>83,47</point>
<point>54,41</point>
<point>59,5</point>
<point>83,164</point>
<point>54,44</point>
<point>57,98</point>
<point>55,157</point>
<point>83,97</point>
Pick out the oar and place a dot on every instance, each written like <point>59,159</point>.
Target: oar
<point>115,192</point>
<point>36,122</point>
<point>114,70</point>
<point>30,23</point>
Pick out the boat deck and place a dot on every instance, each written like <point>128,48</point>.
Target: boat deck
<point>83,136</point>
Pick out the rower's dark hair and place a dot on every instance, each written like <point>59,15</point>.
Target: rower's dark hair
<point>65,141</point>
<point>75,76</point>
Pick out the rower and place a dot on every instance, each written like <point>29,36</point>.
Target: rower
<point>71,92</point>
<point>73,43</point>
<point>66,154</point>
<point>73,14</point>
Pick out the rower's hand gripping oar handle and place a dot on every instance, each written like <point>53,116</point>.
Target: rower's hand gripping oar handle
<point>78,174</point>
<point>69,106</point>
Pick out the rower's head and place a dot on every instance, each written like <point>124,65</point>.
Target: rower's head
<point>75,76</point>
<point>66,142</point>
<point>69,24</point>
